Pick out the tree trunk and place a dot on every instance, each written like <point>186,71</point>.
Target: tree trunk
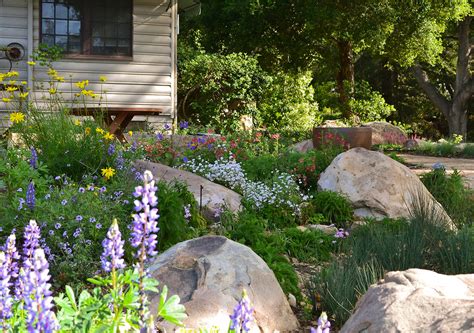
<point>345,76</point>
<point>456,109</point>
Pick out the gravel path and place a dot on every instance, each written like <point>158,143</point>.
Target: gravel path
<point>423,164</point>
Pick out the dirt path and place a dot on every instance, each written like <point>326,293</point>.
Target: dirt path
<point>423,164</point>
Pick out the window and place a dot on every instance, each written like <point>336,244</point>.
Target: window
<point>88,27</point>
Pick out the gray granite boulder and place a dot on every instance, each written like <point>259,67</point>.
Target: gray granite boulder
<point>212,196</point>
<point>383,133</point>
<point>415,300</point>
<point>209,274</point>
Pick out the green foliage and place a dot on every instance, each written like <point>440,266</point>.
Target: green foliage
<point>288,103</point>
<point>45,55</point>
<point>216,90</point>
<point>174,227</point>
<point>62,143</point>
<point>307,246</point>
<point>446,149</point>
<point>367,104</point>
<point>335,208</point>
<point>392,245</point>
<point>451,193</point>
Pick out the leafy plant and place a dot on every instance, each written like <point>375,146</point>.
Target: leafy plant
<point>335,208</point>
<point>451,193</point>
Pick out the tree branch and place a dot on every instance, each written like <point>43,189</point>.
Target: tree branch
<point>433,94</point>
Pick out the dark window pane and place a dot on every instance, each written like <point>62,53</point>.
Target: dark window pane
<point>124,30</point>
<point>110,30</point>
<point>110,43</point>
<point>74,44</point>
<point>97,42</point>
<point>74,12</point>
<point>61,27</point>
<point>97,30</point>
<point>47,27</point>
<point>49,40</point>
<point>61,41</point>
<point>75,28</point>
<point>48,10</point>
<point>61,11</point>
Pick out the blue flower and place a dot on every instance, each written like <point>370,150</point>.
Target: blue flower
<point>167,127</point>
<point>79,218</point>
<point>57,225</point>
<point>92,220</point>
<point>64,202</point>
<point>159,137</point>
<point>183,124</point>
<point>98,226</point>
<point>185,159</point>
<point>34,158</point>
<point>81,190</point>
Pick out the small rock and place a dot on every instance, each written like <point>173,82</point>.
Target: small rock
<point>292,300</point>
<point>327,229</point>
<point>301,228</point>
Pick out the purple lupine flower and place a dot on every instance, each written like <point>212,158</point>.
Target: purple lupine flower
<point>324,325</point>
<point>243,315</point>
<point>112,257</point>
<point>32,236</point>
<point>6,300</point>
<point>167,127</point>
<point>111,149</point>
<point>12,256</point>
<point>30,196</point>
<point>159,136</point>
<point>38,300</point>
<point>134,146</point>
<point>341,233</point>
<point>183,124</point>
<point>120,161</point>
<point>34,158</point>
<point>21,201</point>
<point>144,226</point>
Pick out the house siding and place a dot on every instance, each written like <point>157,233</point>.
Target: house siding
<point>13,28</point>
<point>146,81</point>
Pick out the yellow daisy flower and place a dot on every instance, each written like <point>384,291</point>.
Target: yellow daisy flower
<point>17,117</point>
<point>23,94</point>
<point>53,91</point>
<point>130,133</point>
<point>108,136</point>
<point>77,122</point>
<point>82,84</point>
<point>6,100</point>
<point>31,63</point>
<point>108,172</point>
<point>87,130</point>
<point>11,89</point>
<point>102,78</point>
<point>99,130</point>
<point>52,72</point>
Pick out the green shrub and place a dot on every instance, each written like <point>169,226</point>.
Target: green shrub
<point>335,208</point>
<point>451,193</point>
<point>307,246</point>
<point>341,284</point>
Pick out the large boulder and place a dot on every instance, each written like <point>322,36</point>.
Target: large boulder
<point>303,146</point>
<point>212,196</point>
<point>383,133</point>
<point>209,274</point>
<point>378,186</point>
<point>416,300</point>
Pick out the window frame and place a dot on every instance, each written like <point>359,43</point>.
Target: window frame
<point>86,36</point>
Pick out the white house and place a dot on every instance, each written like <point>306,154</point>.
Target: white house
<point>131,42</point>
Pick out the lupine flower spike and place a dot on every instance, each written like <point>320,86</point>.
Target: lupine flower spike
<point>324,325</point>
<point>242,316</point>
<point>12,257</point>
<point>6,300</point>
<point>144,229</point>
<point>34,158</point>
<point>112,257</point>
<point>38,300</point>
<point>30,196</point>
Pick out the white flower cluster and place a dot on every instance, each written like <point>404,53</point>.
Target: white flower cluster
<point>283,191</point>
